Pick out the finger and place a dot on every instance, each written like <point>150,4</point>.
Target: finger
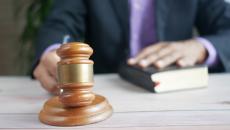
<point>152,58</point>
<point>50,61</point>
<point>145,52</point>
<point>186,61</point>
<point>47,81</point>
<point>167,60</point>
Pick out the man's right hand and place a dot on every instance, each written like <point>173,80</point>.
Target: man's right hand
<point>46,72</point>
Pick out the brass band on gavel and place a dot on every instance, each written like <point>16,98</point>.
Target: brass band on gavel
<point>76,104</point>
<point>75,73</point>
<point>79,78</point>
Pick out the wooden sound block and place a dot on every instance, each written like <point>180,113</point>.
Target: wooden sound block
<point>55,113</point>
<point>76,103</point>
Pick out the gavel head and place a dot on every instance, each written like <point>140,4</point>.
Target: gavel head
<point>75,74</point>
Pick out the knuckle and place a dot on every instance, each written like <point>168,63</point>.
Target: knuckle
<point>176,55</point>
<point>177,47</point>
<point>51,88</point>
<point>46,86</point>
<point>152,58</point>
<point>36,72</point>
<point>165,51</point>
<point>158,54</point>
<point>174,46</point>
<point>167,59</point>
<point>147,50</point>
<point>45,57</point>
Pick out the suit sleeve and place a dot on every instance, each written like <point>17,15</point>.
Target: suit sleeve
<point>67,17</point>
<point>213,23</point>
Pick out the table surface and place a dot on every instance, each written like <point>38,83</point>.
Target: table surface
<point>21,100</point>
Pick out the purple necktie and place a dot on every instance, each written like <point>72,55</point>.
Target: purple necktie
<point>142,26</point>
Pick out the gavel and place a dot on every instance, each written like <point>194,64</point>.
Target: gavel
<point>76,104</point>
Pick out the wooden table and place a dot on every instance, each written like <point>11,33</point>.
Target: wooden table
<point>134,108</point>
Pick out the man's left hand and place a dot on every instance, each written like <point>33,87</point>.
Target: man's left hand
<point>163,54</point>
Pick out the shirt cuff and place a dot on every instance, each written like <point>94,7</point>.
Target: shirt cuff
<point>212,58</point>
<point>52,47</point>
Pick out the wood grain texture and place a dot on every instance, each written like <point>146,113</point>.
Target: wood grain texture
<point>55,113</point>
<point>134,119</point>
<point>76,90</point>
<point>134,108</point>
<point>76,104</point>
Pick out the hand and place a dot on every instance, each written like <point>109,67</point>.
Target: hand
<point>163,54</point>
<point>46,72</point>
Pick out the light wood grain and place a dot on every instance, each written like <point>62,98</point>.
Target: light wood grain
<point>135,108</point>
<point>132,120</point>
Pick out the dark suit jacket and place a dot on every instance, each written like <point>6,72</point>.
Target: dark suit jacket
<point>104,24</point>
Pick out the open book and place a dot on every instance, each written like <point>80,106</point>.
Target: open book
<point>169,79</point>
